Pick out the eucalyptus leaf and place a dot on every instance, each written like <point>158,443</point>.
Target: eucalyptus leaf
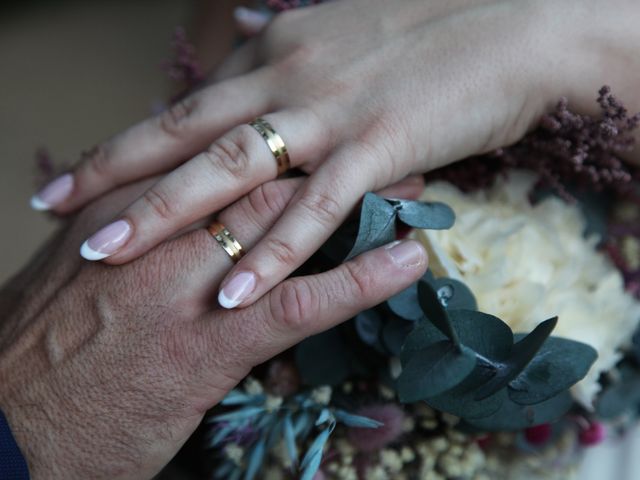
<point>428,215</point>
<point>512,416</point>
<point>394,334</point>
<point>369,326</point>
<point>559,364</point>
<point>435,312</point>
<point>405,304</point>
<point>323,359</point>
<point>377,225</point>
<point>485,334</point>
<point>460,400</point>
<point>435,369</point>
<point>454,294</point>
<point>621,396</point>
<point>521,354</point>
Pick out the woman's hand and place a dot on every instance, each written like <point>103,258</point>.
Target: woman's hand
<point>105,372</point>
<point>364,93</point>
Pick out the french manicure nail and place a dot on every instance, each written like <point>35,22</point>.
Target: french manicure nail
<point>53,194</point>
<point>253,18</point>
<point>238,288</point>
<point>406,253</point>
<point>106,241</point>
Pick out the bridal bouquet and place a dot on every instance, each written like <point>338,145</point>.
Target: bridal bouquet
<point>504,361</point>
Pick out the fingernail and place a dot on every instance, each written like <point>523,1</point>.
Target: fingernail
<point>406,253</point>
<point>53,194</point>
<point>238,288</point>
<point>252,18</point>
<point>107,241</point>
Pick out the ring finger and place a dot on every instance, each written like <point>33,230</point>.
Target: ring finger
<point>232,166</point>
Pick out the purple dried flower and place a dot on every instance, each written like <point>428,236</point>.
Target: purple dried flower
<point>368,440</point>
<point>282,378</point>
<point>184,68</point>
<point>45,168</point>
<point>567,148</point>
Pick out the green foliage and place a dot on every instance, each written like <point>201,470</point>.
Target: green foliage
<point>293,422</point>
<point>496,384</point>
<point>378,218</point>
<point>435,369</point>
<point>621,395</point>
<point>454,358</point>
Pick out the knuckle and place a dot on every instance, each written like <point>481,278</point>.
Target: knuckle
<point>357,279</point>
<point>229,155</point>
<point>321,207</point>
<point>295,306</point>
<point>97,160</point>
<point>268,199</point>
<point>175,120</point>
<point>283,251</point>
<point>159,204</point>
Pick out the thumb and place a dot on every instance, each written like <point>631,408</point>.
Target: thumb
<point>303,306</point>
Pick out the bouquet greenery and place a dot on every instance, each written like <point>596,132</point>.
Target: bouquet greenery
<point>503,361</point>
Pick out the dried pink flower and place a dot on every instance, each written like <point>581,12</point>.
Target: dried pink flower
<point>184,68</point>
<point>567,149</point>
<point>282,378</point>
<point>368,440</point>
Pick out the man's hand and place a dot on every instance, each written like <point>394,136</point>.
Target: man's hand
<point>106,371</point>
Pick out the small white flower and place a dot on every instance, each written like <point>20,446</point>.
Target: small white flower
<point>321,395</point>
<point>527,263</point>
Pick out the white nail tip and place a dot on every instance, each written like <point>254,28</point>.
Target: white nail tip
<point>227,302</point>
<point>39,205</point>
<point>90,254</point>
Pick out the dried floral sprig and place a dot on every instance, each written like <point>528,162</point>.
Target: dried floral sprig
<point>184,67</point>
<point>259,422</point>
<point>568,148</point>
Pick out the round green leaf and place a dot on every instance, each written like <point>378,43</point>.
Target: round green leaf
<point>558,365</point>
<point>377,225</point>
<point>428,215</point>
<point>521,354</point>
<point>512,416</point>
<point>434,370</point>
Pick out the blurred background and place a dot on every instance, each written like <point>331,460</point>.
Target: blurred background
<point>74,72</point>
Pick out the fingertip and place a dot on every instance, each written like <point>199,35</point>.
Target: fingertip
<point>407,253</point>
<point>38,204</point>
<point>90,254</point>
<point>54,193</point>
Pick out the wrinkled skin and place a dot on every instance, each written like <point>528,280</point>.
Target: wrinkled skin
<point>105,371</point>
<point>364,93</point>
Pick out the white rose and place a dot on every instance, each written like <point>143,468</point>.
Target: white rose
<point>526,263</point>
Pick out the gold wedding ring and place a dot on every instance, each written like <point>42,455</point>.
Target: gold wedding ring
<point>227,241</point>
<point>275,143</point>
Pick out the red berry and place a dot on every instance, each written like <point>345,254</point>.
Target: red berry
<point>592,435</point>
<point>539,434</point>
